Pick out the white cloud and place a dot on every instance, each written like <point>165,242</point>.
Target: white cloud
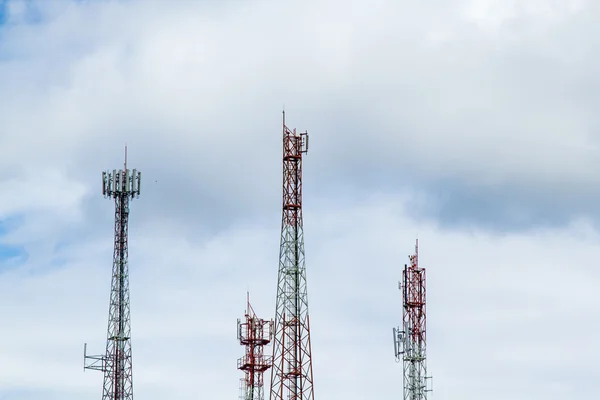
<point>471,100</point>
<point>399,90</point>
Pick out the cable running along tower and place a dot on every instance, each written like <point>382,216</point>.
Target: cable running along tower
<point>410,343</point>
<point>122,186</point>
<point>292,377</point>
<point>255,334</point>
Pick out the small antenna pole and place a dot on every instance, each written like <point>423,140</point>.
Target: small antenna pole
<point>254,334</point>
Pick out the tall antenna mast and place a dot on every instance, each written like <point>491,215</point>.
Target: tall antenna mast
<point>292,376</point>
<point>410,341</point>
<point>255,334</point>
<point>122,186</point>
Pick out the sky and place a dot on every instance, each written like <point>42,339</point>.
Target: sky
<point>470,124</point>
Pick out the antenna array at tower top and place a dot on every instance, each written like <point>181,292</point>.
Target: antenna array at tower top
<point>121,183</point>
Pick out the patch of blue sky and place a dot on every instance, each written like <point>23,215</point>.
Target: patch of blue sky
<point>30,13</point>
<point>10,255</point>
<point>3,11</point>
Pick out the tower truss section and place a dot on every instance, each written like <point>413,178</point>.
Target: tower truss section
<point>410,341</point>
<point>116,364</point>
<point>254,333</point>
<point>292,375</point>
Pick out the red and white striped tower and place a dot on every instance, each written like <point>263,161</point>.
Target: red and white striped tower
<point>410,341</point>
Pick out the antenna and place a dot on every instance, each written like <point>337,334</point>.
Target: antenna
<point>254,334</point>
<point>115,363</point>
<point>410,341</point>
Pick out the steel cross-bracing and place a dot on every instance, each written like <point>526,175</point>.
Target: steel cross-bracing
<point>116,364</point>
<point>292,376</point>
<point>254,333</point>
<point>410,341</point>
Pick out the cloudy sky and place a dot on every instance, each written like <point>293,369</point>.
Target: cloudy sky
<point>471,124</point>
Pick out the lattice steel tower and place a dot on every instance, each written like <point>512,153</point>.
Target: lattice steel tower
<point>292,377</point>
<point>116,362</point>
<point>410,343</point>
<point>255,334</point>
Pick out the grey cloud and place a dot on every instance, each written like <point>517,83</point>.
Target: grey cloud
<point>503,208</point>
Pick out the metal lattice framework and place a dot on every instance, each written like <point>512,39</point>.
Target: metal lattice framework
<point>255,334</point>
<point>292,377</point>
<point>410,342</point>
<point>116,362</point>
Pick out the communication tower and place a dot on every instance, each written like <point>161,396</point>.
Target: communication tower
<point>122,186</point>
<point>255,334</point>
<point>409,342</point>
<point>292,376</point>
